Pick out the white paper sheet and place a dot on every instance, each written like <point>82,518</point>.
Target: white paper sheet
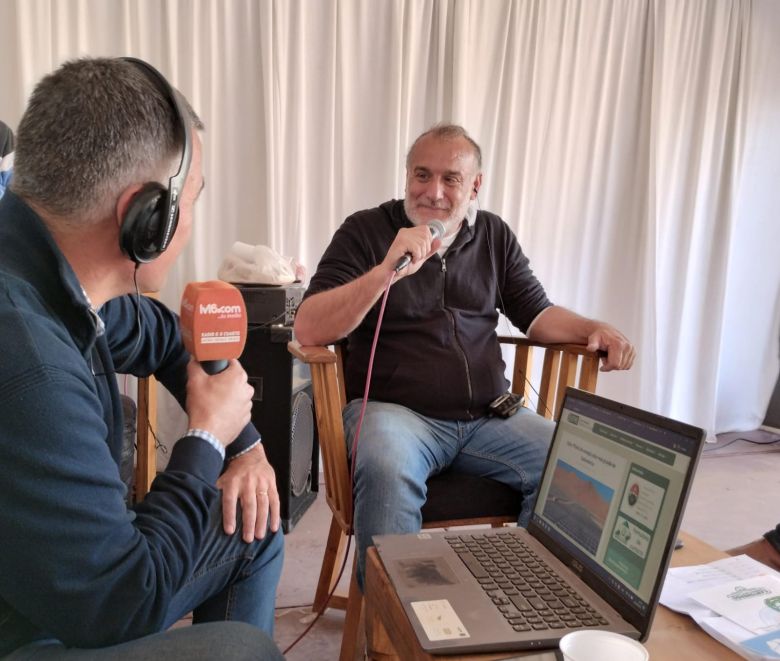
<point>681,582</point>
<point>753,603</point>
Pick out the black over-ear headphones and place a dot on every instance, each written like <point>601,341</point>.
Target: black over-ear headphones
<point>153,213</point>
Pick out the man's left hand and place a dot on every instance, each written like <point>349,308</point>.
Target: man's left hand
<point>250,480</point>
<point>620,352</point>
<point>760,550</point>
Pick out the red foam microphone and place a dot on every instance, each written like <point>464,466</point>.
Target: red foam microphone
<point>213,323</point>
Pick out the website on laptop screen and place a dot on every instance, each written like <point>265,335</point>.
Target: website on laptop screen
<point>610,494</point>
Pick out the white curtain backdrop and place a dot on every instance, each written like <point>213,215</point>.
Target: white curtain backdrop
<point>633,146</point>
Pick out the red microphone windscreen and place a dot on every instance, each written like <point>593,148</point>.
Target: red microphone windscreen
<point>213,320</point>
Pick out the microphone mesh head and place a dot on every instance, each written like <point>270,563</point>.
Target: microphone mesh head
<point>437,228</point>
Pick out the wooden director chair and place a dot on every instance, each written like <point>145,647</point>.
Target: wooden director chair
<point>453,499</point>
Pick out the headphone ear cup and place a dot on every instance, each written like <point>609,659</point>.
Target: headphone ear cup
<point>141,231</point>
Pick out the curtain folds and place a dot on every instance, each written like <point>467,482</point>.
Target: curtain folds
<point>631,145</point>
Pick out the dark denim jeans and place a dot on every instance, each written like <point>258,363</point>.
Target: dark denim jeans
<point>231,641</point>
<point>231,581</point>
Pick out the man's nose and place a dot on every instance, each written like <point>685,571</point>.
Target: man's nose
<point>435,189</point>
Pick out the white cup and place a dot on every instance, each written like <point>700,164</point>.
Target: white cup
<point>595,645</point>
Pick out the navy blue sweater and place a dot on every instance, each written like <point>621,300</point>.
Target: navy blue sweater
<point>75,562</point>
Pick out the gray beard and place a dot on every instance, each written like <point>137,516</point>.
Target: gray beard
<point>451,222</point>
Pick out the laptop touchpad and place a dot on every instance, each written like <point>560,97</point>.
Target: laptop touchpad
<point>418,572</point>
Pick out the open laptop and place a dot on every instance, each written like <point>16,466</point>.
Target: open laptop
<point>605,521</point>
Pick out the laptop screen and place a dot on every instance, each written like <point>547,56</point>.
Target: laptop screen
<point>611,493</point>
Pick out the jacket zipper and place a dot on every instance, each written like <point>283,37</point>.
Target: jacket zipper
<point>455,336</point>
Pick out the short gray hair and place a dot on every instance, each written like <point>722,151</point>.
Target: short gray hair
<point>92,128</point>
<point>445,131</point>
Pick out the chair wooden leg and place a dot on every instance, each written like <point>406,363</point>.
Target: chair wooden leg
<point>379,645</point>
<point>331,563</point>
<point>349,639</point>
<point>361,646</point>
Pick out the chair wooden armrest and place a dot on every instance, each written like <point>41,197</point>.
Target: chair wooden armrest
<point>311,354</point>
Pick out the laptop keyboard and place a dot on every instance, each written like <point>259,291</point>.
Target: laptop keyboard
<point>527,591</point>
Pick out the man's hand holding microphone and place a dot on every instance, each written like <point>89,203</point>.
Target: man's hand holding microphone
<point>219,401</point>
<point>414,245</point>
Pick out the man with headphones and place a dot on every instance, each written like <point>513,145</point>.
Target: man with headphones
<point>438,363</point>
<point>107,171</point>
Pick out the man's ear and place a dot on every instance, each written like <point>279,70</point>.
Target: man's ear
<point>123,202</point>
<point>477,184</point>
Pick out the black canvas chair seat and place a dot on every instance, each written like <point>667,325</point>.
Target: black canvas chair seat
<point>453,495</point>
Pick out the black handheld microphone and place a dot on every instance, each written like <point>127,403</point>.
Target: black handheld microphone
<point>437,230</point>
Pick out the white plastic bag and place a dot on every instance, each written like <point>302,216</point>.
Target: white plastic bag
<point>258,264</point>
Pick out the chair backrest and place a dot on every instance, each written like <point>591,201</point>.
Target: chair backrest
<point>146,425</point>
<point>146,438</point>
<point>560,367</point>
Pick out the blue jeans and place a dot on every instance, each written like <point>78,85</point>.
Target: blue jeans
<point>399,450</point>
<point>232,580</point>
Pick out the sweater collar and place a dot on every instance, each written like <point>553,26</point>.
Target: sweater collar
<point>28,252</point>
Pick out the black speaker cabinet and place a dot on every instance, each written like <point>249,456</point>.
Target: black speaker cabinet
<point>283,412</point>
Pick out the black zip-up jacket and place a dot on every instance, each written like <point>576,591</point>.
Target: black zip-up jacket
<point>438,351</point>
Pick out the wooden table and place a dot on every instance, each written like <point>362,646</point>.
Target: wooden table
<point>672,637</point>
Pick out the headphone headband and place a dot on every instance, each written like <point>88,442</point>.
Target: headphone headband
<point>147,230</point>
